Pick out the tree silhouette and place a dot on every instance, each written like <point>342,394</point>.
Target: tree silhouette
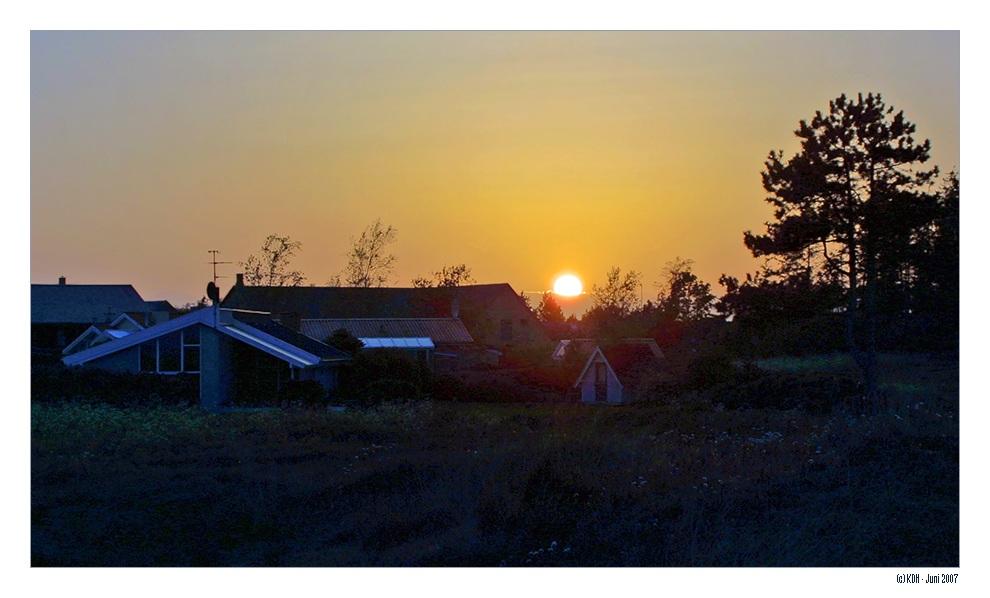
<point>448,276</point>
<point>271,266</point>
<point>549,310</point>
<point>612,302</point>
<point>368,264</point>
<point>682,296</point>
<point>855,191</point>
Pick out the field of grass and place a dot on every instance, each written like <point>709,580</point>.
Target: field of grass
<point>470,484</point>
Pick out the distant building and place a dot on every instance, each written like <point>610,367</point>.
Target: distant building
<point>61,312</point>
<point>494,315</point>
<point>613,373</point>
<point>443,343</point>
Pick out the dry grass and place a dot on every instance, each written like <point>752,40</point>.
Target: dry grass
<point>485,485</point>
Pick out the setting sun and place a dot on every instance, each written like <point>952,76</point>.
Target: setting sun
<point>567,285</point>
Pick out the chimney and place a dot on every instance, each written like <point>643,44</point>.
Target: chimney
<point>61,280</point>
<point>240,279</point>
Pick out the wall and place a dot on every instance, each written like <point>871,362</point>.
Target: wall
<point>127,360</point>
<point>216,373</point>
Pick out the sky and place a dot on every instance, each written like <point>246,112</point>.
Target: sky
<point>523,155</point>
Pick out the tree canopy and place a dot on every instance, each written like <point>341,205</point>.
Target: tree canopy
<point>368,262</point>
<point>270,267</point>
<point>858,195</point>
<point>447,276</point>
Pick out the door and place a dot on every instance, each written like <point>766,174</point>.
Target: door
<point>601,382</point>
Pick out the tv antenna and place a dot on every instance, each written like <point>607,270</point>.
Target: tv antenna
<point>215,262</point>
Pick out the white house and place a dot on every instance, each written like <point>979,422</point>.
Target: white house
<point>612,373</point>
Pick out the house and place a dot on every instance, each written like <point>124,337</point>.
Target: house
<point>494,315</point>
<point>236,355</point>
<point>62,312</point>
<point>440,342</point>
<point>612,373</point>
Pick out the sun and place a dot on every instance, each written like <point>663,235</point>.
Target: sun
<point>567,285</point>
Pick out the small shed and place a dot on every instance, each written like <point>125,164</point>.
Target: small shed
<point>612,374</point>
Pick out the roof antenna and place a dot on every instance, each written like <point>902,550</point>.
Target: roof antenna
<point>215,262</point>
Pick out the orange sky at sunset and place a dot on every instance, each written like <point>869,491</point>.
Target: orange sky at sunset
<point>521,154</point>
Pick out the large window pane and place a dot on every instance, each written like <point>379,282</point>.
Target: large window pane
<point>169,353</point>
<point>190,336</point>
<point>191,359</point>
<point>149,361</point>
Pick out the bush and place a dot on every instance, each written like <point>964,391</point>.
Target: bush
<point>57,383</point>
<point>813,392</point>
<point>379,375</point>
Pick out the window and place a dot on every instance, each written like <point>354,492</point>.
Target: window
<point>172,353</point>
<point>149,356</point>
<point>506,331</point>
<point>190,349</point>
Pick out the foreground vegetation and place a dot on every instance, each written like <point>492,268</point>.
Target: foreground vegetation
<point>426,483</point>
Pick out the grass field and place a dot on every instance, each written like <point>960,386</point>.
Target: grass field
<point>469,484</point>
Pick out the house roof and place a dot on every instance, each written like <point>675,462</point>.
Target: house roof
<point>83,303</point>
<point>358,302</point>
<point>160,305</point>
<point>272,338</point>
<point>119,328</point>
<point>445,331</point>
<point>629,361</point>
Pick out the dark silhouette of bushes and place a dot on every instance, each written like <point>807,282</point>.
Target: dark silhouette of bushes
<point>54,383</point>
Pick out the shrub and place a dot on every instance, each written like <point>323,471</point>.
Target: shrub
<point>56,383</point>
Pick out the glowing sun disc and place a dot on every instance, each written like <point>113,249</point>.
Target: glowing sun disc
<point>567,285</point>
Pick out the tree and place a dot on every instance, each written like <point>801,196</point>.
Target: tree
<point>368,264</point>
<point>549,311</point>
<point>448,276</point>
<point>618,294</point>
<point>612,303</point>
<point>682,297</point>
<point>855,190</point>
<point>271,267</point>
<point>345,341</point>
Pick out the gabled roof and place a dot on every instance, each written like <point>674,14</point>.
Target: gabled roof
<point>628,361</point>
<point>160,305</point>
<point>269,339</point>
<point>119,328</point>
<point>83,303</point>
<point>449,331</point>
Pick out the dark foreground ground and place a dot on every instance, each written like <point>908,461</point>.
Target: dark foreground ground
<point>429,483</point>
